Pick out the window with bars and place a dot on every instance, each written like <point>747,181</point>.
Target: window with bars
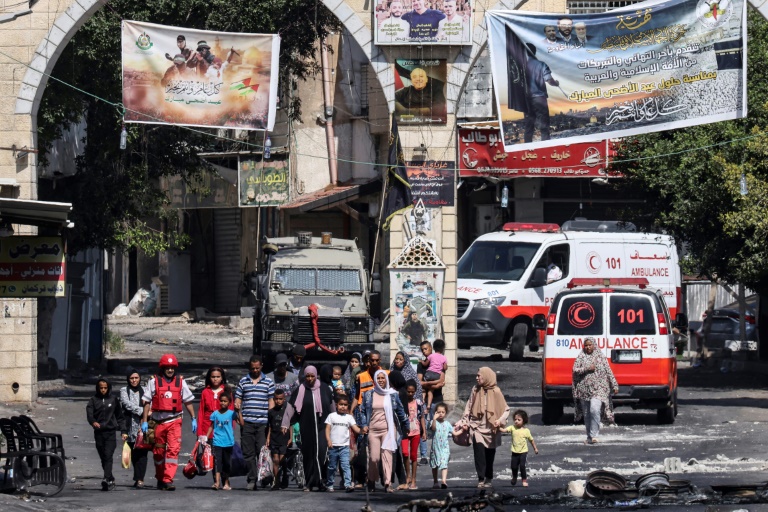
<point>593,6</point>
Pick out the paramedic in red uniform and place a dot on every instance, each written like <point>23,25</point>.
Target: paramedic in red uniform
<point>164,395</point>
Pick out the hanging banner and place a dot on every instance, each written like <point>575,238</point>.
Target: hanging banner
<point>263,183</point>
<point>420,91</point>
<point>482,154</point>
<point>32,266</point>
<point>181,76</point>
<point>432,182</point>
<point>412,22</point>
<point>648,67</point>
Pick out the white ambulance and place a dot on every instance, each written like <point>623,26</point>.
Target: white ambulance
<point>508,276</point>
<point>631,326</point>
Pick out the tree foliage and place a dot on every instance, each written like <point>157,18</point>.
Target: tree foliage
<point>690,179</point>
<point>114,191</point>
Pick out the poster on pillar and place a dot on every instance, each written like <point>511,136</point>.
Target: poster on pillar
<point>420,91</point>
<point>434,182</point>
<point>181,76</point>
<point>32,266</point>
<point>263,182</point>
<point>646,67</point>
<point>417,297</point>
<point>415,22</point>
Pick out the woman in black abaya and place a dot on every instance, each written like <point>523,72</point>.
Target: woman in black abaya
<point>309,406</point>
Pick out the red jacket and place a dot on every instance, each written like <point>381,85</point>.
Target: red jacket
<point>208,404</point>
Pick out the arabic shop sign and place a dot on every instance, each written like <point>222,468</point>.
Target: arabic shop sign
<point>206,190</point>
<point>648,67</point>
<point>481,153</point>
<point>32,266</point>
<point>263,182</point>
<point>432,182</point>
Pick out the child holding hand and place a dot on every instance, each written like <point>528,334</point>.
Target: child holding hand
<point>223,439</point>
<point>520,438</point>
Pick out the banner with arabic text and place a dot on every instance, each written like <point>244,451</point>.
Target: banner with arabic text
<point>434,182</point>
<point>180,76</point>
<point>263,182</point>
<point>32,266</point>
<point>482,154</point>
<point>643,68</point>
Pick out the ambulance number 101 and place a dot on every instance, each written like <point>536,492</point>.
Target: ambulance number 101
<point>613,263</point>
<point>630,316</point>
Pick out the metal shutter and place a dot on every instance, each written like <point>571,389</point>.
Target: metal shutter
<point>226,239</point>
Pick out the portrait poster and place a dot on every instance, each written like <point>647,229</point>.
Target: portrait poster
<point>263,182</point>
<point>417,297</point>
<point>434,182</point>
<point>420,91</point>
<point>180,76</point>
<point>415,22</point>
<point>33,266</point>
<point>648,67</point>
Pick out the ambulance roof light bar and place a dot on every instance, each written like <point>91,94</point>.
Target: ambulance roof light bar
<point>640,282</point>
<point>535,227</point>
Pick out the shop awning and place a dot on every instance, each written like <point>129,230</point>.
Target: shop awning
<point>35,213</point>
<point>332,196</point>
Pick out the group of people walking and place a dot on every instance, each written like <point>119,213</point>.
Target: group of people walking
<point>370,423</point>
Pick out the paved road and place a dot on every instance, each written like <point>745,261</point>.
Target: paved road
<point>718,437</point>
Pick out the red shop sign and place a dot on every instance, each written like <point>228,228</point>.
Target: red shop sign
<point>481,153</point>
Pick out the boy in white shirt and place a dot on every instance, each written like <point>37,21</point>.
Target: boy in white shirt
<point>337,426</point>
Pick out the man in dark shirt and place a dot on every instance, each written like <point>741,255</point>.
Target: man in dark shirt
<point>283,379</point>
<point>424,97</point>
<point>538,76</point>
<point>424,22</point>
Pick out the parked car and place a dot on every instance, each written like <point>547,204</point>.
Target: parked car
<point>725,326</point>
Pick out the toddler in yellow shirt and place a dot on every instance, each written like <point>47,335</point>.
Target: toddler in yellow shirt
<point>520,437</point>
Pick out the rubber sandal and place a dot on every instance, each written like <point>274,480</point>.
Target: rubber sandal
<point>215,487</point>
<point>443,486</point>
<point>413,487</point>
<point>402,487</point>
<point>525,484</point>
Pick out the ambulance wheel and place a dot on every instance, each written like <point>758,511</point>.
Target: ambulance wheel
<point>551,411</point>
<point>666,415</point>
<point>517,342</point>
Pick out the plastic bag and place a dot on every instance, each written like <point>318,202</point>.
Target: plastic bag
<point>206,458</point>
<point>265,464</point>
<point>238,467</point>
<point>142,441</point>
<point>460,436</point>
<point>126,455</point>
<point>136,306</point>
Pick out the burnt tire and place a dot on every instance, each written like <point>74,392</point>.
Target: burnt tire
<point>551,411</point>
<point>517,342</point>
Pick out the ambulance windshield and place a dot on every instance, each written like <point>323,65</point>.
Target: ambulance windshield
<point>505,261</point>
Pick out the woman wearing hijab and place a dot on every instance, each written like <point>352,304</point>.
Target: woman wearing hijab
<point>484,416</point>
<point>403,365</point>
<point>354,367</point>
<point>593,381</point>
<point>383,420</point>
<point>309,406</point>
<point>130,400</point>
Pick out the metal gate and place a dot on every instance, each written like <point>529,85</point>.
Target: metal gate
<point>226,238</point>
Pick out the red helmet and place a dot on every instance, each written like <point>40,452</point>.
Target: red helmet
<point>168,360</point>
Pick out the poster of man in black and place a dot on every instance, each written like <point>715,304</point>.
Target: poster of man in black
<point>420,94</point>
